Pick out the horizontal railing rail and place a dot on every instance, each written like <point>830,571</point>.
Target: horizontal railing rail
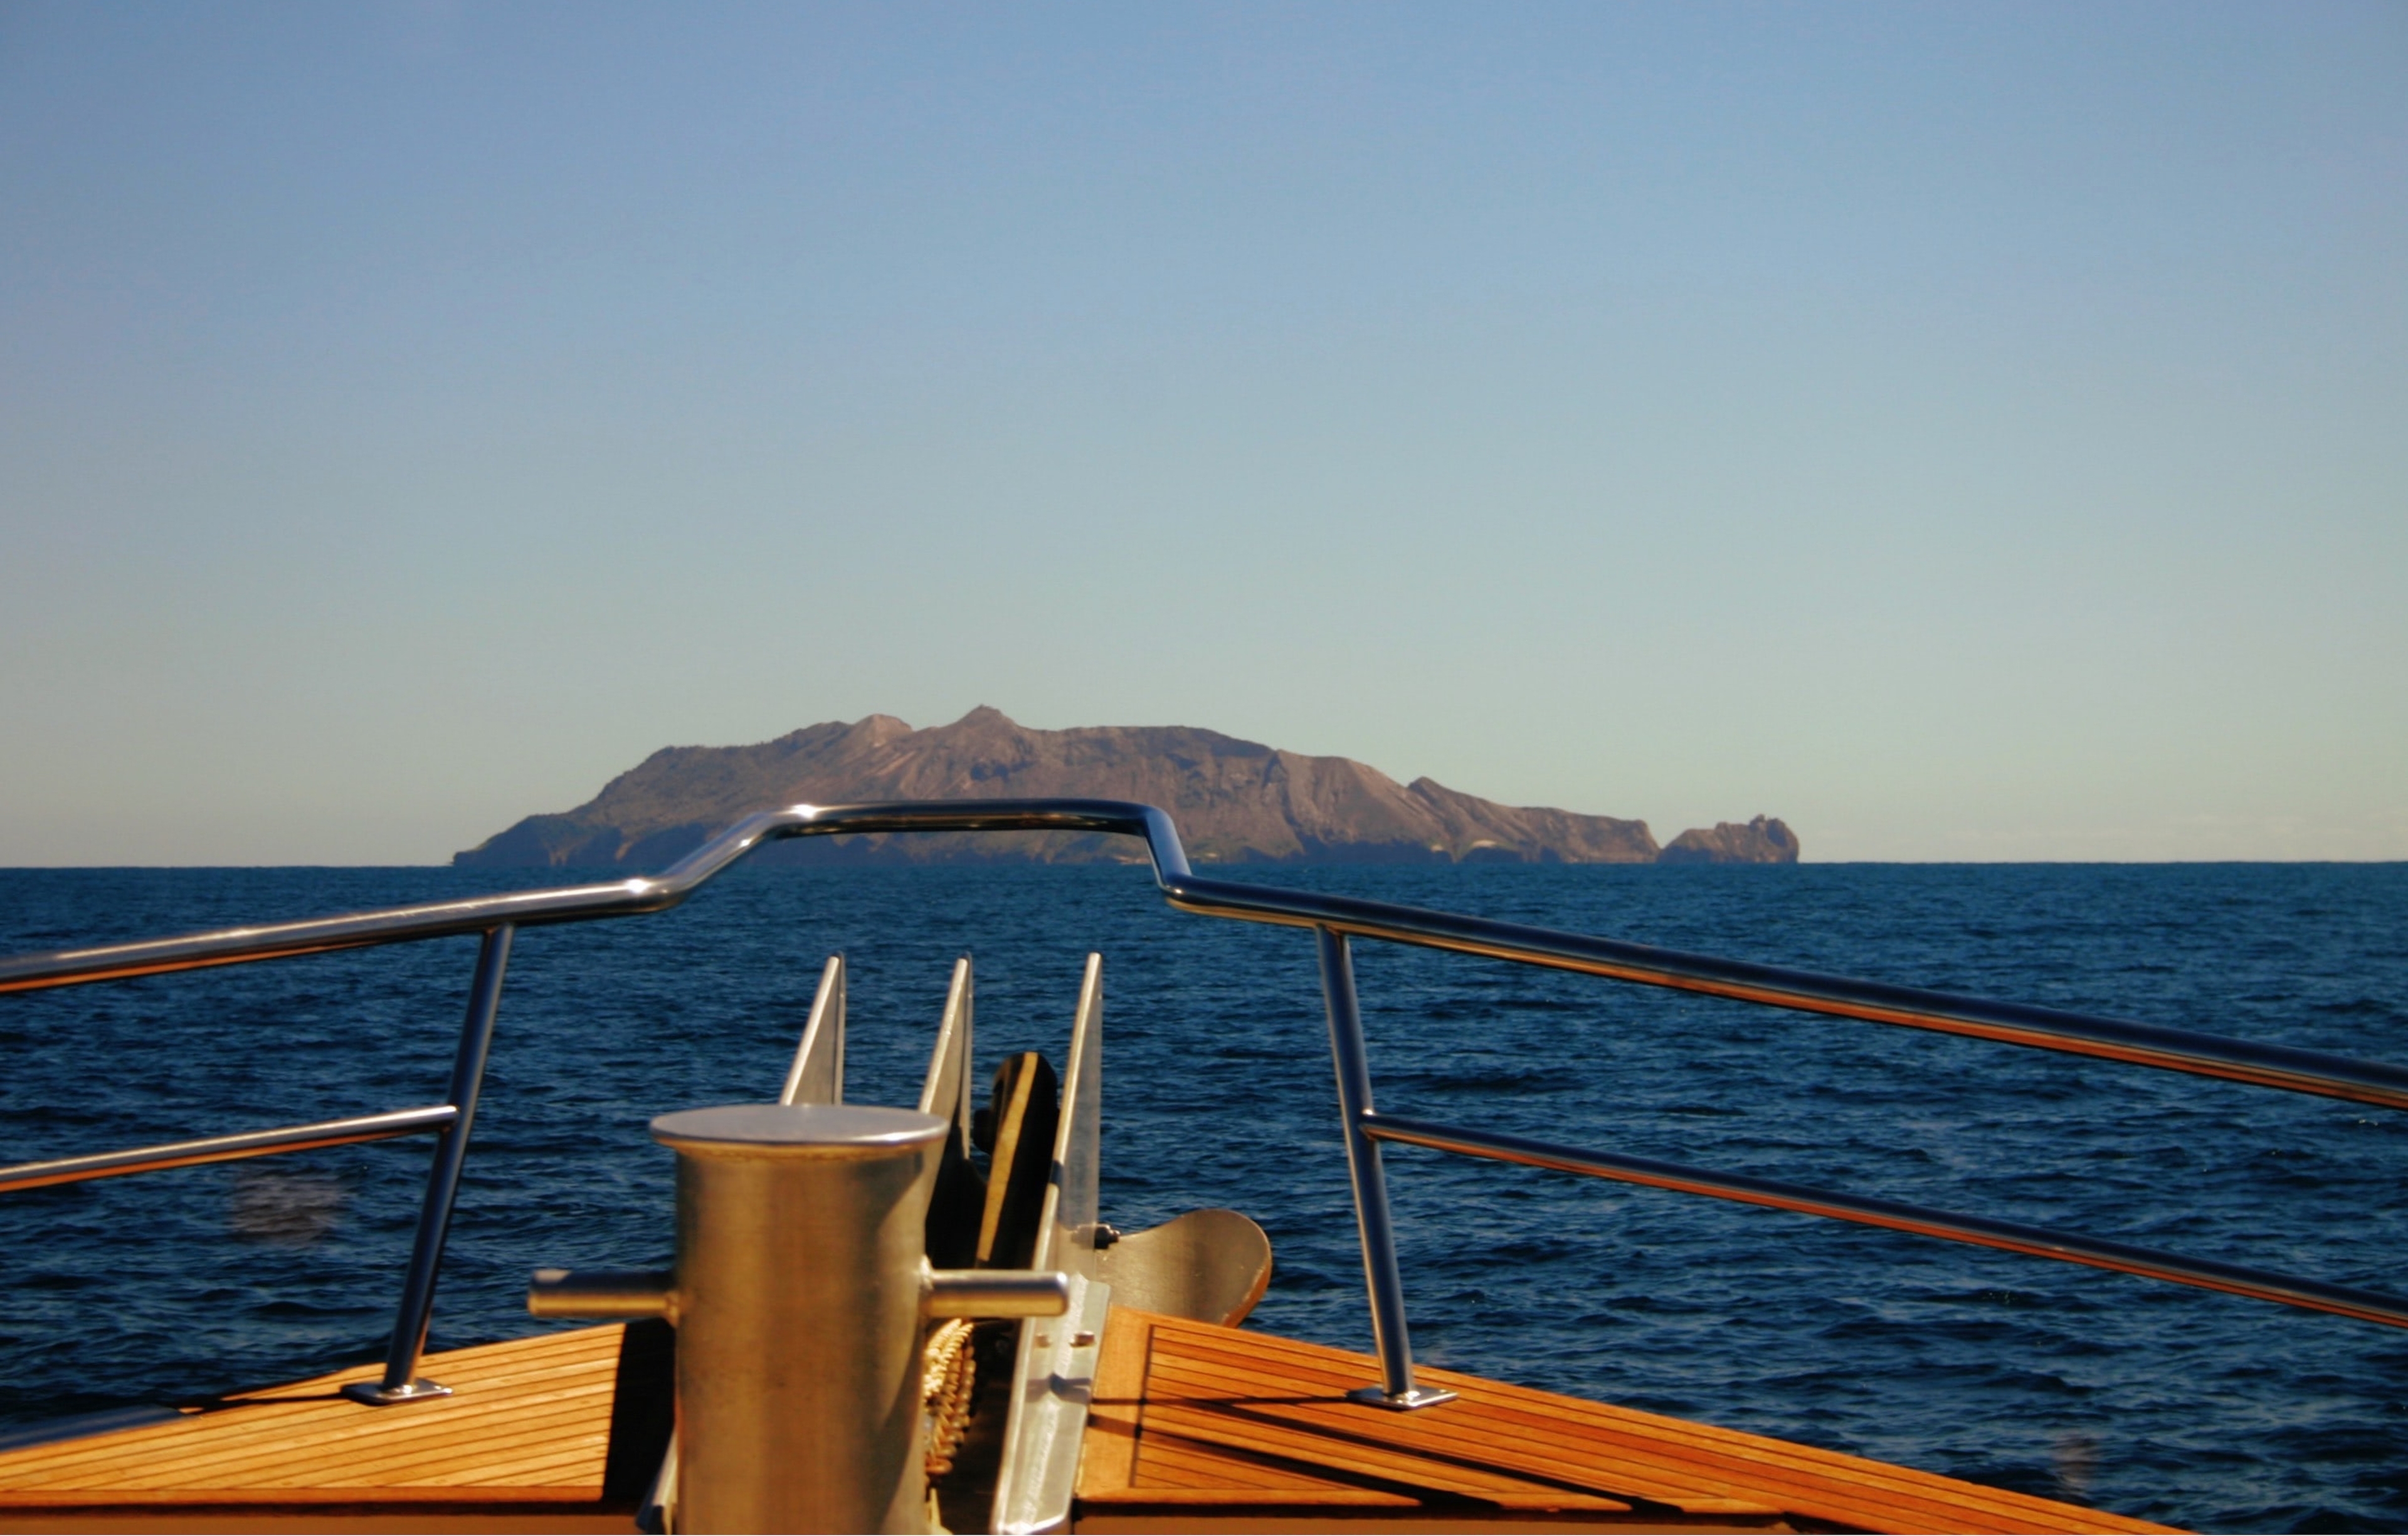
<point>2040,1241</point>
<point>2046,1029</point>
<point>247,1143</point>
<point>1334,920</point>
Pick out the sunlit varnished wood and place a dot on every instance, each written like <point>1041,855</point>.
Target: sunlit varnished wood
<point>1195,1427</point>
<point>523,1442</point>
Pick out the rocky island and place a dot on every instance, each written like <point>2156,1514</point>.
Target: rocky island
<point>1236,802</point>
<point>1765,840</point>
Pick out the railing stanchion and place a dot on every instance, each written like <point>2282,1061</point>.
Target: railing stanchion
<point>401,1383</point>
<point>1380,1274</point>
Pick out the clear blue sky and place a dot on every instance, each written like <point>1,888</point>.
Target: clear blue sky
<point>1967,432</point>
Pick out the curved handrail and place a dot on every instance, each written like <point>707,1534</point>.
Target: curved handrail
<point>584,903</point>
<point>2047,1029</point>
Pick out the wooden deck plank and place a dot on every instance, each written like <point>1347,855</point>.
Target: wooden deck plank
<point>298,1442</point>
<point>528,1423</point>
<point>1170,1459</point>
<point>1196,1465</point>
<point>1166,1472</point>
<point>1539,1435</point>
<point>487,1459</point>
<point>1915,1506</point>
<point>1199,1418</point>
<point>1466,1437</point>
<point>299,1411</point>
<point>290,1447</point>
<point>1365,1458</point>
<point>1838,1498</point>
<point>1801,1480</point>
<point>1809,1478</point>
<point>1471,1443</point>
<point>1575,1467</point>
<point>462,1508</point>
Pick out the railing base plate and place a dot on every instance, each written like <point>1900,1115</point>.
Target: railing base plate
<point>378,1395</point>
<point>1402,1402</point>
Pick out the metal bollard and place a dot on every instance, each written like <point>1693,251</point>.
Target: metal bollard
<point>798,1295</point>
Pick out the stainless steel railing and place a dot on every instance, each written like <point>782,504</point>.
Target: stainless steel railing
<point>451,1121</point>
<point>248,1144</point>
<point>1335,921</point>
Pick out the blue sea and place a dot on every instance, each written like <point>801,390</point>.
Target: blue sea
<point>2152,1400</point>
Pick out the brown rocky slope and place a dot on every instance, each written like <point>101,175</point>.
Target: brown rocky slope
<point>1234,800</point>
<point>1766,840</point>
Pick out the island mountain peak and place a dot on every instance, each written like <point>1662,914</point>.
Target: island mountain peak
<point>1235,802</point>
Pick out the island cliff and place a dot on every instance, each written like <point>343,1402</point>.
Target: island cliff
<point>1766,840</point>
<point>1236,802</point>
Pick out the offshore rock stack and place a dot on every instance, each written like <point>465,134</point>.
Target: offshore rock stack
<point>1236,802</point>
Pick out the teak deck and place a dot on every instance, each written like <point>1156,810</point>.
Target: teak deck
<point>1197,1426</point>
<point>1193,1427</point>
<point>524,1443</point>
